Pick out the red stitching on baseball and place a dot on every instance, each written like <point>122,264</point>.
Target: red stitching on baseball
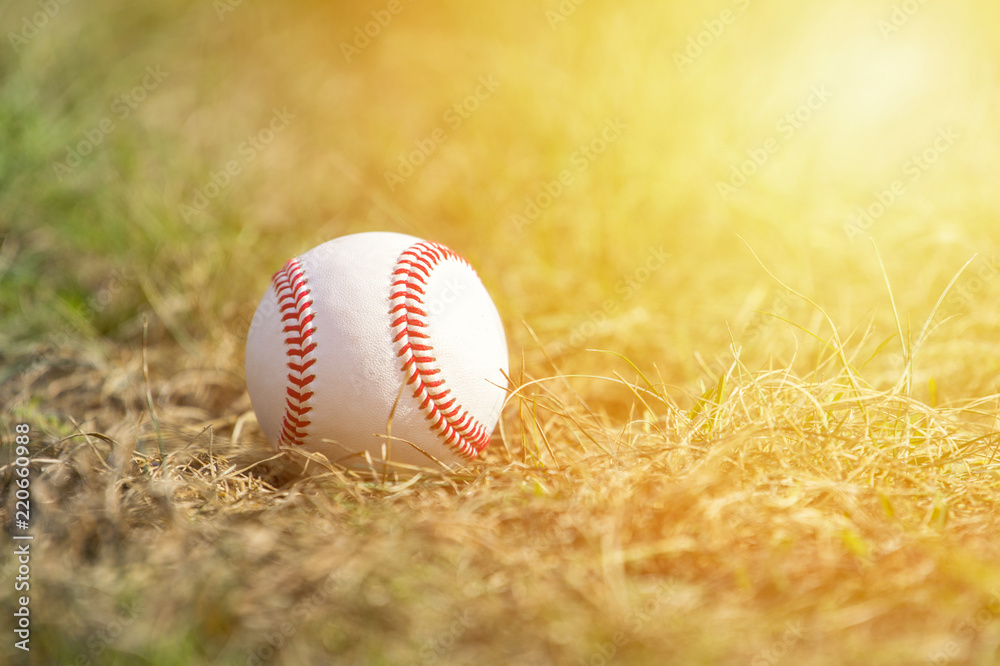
<point>292,291</point>
<point>459,430</point>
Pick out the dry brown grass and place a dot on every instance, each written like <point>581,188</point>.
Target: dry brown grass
<point>783,519</point>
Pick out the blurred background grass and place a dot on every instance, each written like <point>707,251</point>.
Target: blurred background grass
<point>698,89</point>
<point>93,248</point>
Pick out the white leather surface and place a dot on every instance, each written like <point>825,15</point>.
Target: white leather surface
<point>357,373</point>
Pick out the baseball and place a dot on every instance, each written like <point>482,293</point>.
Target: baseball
<point>371,325</point>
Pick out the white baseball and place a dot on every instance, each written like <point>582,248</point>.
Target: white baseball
<point>352,325</point>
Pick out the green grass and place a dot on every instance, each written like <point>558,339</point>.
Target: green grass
<point>771,459</point>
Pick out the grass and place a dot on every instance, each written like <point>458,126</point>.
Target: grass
<point>738,431</point>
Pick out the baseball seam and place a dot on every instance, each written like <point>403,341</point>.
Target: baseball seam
<point>459,429</point>
<point>295,307</point>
